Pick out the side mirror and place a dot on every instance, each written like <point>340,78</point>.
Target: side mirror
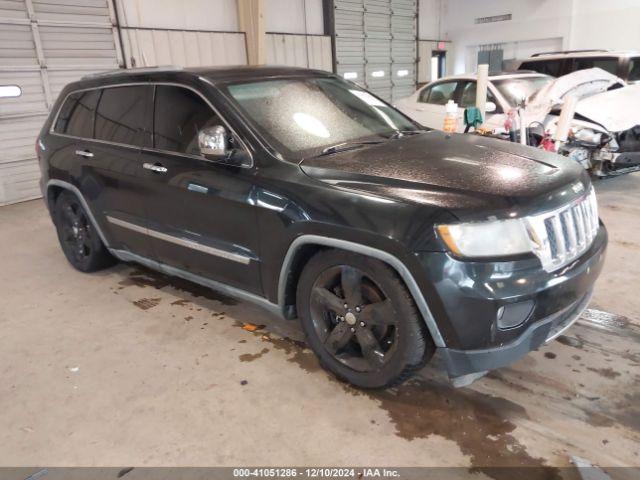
<point>212,141</point>
<point>490,107</point>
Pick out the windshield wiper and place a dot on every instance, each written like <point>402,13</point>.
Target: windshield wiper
<point>344,146</point>
<point>404,133</point>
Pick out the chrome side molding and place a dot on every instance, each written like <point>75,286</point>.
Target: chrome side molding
<point>183,242</point>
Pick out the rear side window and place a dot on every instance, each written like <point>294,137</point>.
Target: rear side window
<point>438,94</point>
<point>608,64</point>
<point>77,114</point>
<point>124,115</point>
<point>549,67</point>
<point>179,114</point>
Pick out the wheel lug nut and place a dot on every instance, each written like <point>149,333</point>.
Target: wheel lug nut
<point>353,329</point>
<point>358,309</point>
<point>362,324</point>
<point>346,306</point>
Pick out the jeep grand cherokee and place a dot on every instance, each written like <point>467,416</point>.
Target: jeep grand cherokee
<point>309,195</point>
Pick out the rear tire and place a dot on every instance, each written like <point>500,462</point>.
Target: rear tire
<point>78,238</point>
<point>378,339</point>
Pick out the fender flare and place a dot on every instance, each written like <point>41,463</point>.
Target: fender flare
<point>381,255</point>
<point>73,189</point>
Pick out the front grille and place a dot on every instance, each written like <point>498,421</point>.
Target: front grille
<point>562,235</point>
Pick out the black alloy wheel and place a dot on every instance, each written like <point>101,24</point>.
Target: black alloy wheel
<point>79,240</point>
<point>354,318</point>
<point>360,320</point>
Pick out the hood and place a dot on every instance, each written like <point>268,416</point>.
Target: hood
<point>581,84</point>
<point>466,172</point>
<point>616,110</point>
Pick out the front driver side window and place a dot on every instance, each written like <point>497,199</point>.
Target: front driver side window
<point>179,115</point>
<point>438,94</point>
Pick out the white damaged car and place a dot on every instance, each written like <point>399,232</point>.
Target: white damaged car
<point>605,131</point>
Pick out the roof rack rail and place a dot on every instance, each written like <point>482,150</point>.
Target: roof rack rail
<point>561,52</point>
<point>125,71</point>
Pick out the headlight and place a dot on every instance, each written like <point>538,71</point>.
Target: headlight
<point>587,135</point>
<point>486,239</point>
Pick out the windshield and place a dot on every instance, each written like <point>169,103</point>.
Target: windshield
<point>301,117</point>
<point>515,89</point>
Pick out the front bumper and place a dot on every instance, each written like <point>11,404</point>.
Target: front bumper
<point>464,362</point>
<point>469,295</point>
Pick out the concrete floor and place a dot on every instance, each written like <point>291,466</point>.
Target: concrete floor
<point>127,367</point>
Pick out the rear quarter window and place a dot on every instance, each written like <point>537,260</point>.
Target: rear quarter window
<point>548,67</point>
<point>77,114</point>
<point>607,64</point>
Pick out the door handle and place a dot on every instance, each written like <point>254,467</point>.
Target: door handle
<point>84,153</point>
<point>157,168</point>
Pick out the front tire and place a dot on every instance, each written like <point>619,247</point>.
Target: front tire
<point>360,320</point>
<point>78,238</point>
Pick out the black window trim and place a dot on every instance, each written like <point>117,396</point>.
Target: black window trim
<point>151,149</point>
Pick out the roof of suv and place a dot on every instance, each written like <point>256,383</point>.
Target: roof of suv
<point>226,73</point>
<point>581,54</point>
<point>493,75</point>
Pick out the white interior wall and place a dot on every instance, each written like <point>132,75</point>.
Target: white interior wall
<point>294,16</point>
<point>217,15</point>
<point>297,34</point>
<point>187,33</point>
<point>535,26</point>
<point>205,32</point>
<point>611,24</point>
<point>430,19</point>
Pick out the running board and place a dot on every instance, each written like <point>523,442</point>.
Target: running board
<point>126,256</point>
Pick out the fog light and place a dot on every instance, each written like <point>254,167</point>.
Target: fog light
<point>514,314</point>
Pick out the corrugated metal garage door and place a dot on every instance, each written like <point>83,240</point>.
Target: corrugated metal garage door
<point>376,45</point>
<point>44,44</point>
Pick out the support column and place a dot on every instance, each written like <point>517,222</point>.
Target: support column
<point>251,20</point>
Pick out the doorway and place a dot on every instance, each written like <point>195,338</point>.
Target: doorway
<point>438,64</point>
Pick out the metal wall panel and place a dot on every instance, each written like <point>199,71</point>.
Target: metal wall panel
<point>44,44</point>
<point>308,51</point>
<point>150,47</point>
<point>376,44</point>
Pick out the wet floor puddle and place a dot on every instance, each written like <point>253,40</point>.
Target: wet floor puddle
<point>482,425</point>
<point>142,277</point>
